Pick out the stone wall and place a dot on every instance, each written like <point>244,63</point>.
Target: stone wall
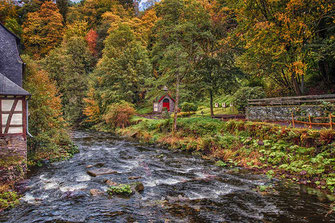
<point>280,113</point>
<point>13,159</point>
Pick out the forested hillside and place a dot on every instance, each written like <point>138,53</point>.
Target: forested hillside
<point>84,57</point>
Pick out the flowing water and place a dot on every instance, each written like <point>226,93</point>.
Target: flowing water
<point>178,188</point>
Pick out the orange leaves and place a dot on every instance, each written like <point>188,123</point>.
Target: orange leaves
<point>45,104</point>
<point>91,110</point>
<point>119,114</point>
<point>42,30</point>
<point>7,10</point>
<point>92,38</point>
<point>298,67</point>
<point>263,25</point>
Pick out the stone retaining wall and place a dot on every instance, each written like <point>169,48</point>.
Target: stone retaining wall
<point>13,159</point>
<point>280,113</point>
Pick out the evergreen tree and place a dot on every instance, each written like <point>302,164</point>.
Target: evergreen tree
<point>70,65</point>
<point>63,6</point>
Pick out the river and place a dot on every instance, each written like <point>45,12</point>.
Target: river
<point>179,187</point>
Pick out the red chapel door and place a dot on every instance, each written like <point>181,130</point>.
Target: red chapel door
<point>166,104</point>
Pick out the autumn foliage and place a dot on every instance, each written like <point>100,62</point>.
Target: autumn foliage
<point>92,109</point>
<point>119,114</point>
<point>92,38</point>
<point>43,29</point>
<point>46,121</point>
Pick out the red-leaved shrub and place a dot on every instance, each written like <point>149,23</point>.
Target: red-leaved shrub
<point>119,114</point>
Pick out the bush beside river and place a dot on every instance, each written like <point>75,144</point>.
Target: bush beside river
<point>304,156</point>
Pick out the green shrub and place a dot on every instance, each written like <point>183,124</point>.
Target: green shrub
<point>122,189</point>
<point>243,94</point>
<point>119,114</point>
<point>220,163</point>
<point>166,113</point>
<point>8,200</point>
<point>188,107</point>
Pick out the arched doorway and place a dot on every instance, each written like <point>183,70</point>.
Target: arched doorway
<point>166,104</point>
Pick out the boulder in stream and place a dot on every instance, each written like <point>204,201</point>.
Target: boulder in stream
<point>95,165</point>
<point>96,192</point>
<point>111,183</point>
<point>99,172</point>
<point>134,177</point>
<point>137,186</point>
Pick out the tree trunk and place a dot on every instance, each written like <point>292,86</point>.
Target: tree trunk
<point>295,84</point>
<point>176,104</point>
<point>211,102</point>
<point>324,71</point>
<point>302,84</point>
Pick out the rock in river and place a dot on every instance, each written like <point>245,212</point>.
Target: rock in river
<point>134,177</point>
<point>138,186</point>
<point>111,183</point>
<point>96,192</point>
<point>99,172</point>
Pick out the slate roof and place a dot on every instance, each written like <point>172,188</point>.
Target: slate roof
<point>11,64</point>
<point>8,87</point>
<point>18,40</point>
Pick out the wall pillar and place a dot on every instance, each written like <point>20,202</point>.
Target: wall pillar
<point>13,159</point>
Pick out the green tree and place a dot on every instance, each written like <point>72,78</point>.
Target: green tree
<point>14,26</point>
<point>46,122</point>
<point>216,69</point>
<point>63,6</point>
<point>121,73</point>
<point>70,65</point>
<point>176,49</point>
<point>275,36</point>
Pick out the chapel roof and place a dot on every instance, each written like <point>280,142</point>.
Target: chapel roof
<point>166,95</point>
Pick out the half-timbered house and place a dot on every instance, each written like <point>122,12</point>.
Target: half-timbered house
<point>13,105</point>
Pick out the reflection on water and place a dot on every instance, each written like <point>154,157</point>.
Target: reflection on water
<point>178,188</point>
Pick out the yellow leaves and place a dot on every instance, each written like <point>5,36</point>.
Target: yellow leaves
<point>7,10</point>
<point>140,26</point>
<point>78,28</point>
<point>91,110</point>
<point>298,67</point>
<point>263,25</point>
<point>45,105</point>
<point>111,17</point>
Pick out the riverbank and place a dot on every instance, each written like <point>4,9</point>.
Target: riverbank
<point>13,170</point>
<point>303,156</point>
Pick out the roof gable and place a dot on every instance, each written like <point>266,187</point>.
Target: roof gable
<point>164,96</point>
<point>8,87</point>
